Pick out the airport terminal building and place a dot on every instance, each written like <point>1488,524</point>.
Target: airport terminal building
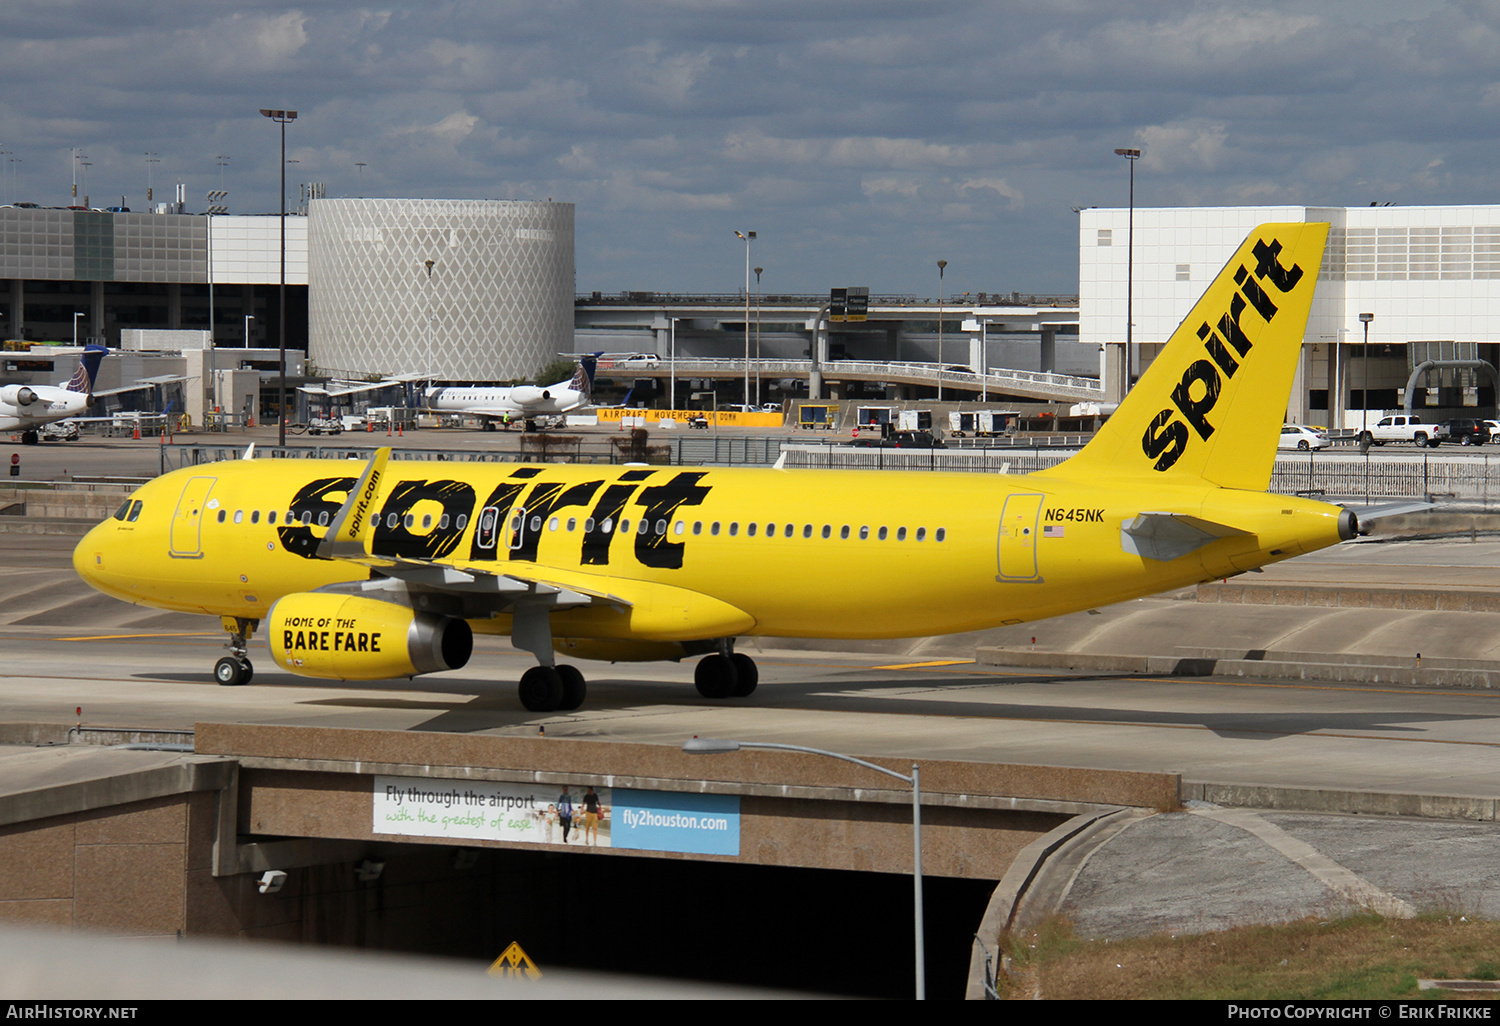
<point>1429,276</point>
<point>473,289</point>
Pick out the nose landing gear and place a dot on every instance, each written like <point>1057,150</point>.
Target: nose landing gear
<point>235,668</point>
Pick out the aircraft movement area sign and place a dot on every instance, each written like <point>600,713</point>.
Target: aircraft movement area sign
<point>603,817</point>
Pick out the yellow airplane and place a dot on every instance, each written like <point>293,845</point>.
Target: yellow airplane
<point>386,568</point>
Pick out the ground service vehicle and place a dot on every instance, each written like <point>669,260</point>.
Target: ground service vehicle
<point>377,568</point>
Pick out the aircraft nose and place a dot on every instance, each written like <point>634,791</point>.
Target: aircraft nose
<point>94,558</point>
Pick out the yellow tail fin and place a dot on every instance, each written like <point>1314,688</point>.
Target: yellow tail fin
<point>1211,406</point>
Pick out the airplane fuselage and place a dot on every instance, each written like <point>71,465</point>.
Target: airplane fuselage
<point>49,404</point>
<point>522,400</point>
<point>809,553</point>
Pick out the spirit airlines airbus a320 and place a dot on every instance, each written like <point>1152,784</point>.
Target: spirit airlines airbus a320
<point>387,568</point>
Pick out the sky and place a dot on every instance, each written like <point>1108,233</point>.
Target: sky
<point>863,140</point>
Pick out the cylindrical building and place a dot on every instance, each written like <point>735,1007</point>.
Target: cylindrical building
<point>495,302</point>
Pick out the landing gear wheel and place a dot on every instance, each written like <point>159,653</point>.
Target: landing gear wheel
<point>541,689</point>
<point>574,687</point>
<point>230,671</point>
<point>715,677</point>
<point>747,675</point>
<point>30,438</point>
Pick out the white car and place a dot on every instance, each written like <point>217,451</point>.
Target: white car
<point>1295,436</point>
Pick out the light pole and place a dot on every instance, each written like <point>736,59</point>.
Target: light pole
<point>75,327</point>
<point>942,266</point>
<point>151,158</point>
<point>747,236</point>
<point>718,746</point>
<point>361,165</point>
<point>1364,412</point>
<point>429,264</point>
<point>757,336</point>
<point>1132,155</point>
<point>248,319</point>
<point>282,118</point>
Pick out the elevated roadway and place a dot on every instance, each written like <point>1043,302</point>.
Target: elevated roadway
<point>1040,385</point>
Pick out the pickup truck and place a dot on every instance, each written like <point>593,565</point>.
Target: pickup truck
<point>1401,428</point>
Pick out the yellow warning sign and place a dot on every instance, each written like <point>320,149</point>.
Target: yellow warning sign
<point>513,962</point>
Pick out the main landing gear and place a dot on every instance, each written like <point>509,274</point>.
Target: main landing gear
<point>553,688</point>
<point>726,675</point>
<point>235,668</point>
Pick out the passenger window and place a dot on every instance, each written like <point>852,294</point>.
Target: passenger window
<point>807,530</point>
<point>697,527</point>
<point>536,523</point>
<point>462,521</point>
<point>221,515</point>
<point>588,525</point>
<point>749,529</point>
<point>239,516</point>
<point>770,530</point>
<point>679,527</point>
<point>390,521</point>
<point>921,534</point>
<point>661,527</point>
<point>827,530</point>
<point>323,519</point>
<point>940,534</point>
<point>734,528</point>
<point>426,520</point>
<point>443,522</point>
<point>714,530</point>
<point>255,516</point>
<point>271,517</point>
<point>624,526</point>
<point>608,525</point>
<point>901,534</point>
<point>882,534</point>
<point>572,523</point>
<point>864,533</point>
<point>844,532</point>
<point>552,524</point>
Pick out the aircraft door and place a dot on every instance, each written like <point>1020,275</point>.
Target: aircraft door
<point>187,521</point>
<point>1019,525</point>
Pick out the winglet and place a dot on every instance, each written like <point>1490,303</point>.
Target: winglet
<point>1210,407</point>
<point>347,535</point>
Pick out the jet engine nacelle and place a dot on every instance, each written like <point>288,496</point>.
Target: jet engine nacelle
<point>17,395</point>
<point>348,637</point>
<point>527,394</point>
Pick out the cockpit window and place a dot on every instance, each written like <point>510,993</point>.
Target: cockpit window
<point>124,508</point>
<point>135,512</point>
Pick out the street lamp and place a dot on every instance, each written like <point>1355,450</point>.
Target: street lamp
<point>747,236</point>
<point>942,266</point>
<point>718,746</point>
<point>757,336</point>
<point>75,327</point>
<point>282,118</point>
<point>1132,155</point>
<point>1364,413</point>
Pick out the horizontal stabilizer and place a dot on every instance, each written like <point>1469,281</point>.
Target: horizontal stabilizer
<point>1168,536</point>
